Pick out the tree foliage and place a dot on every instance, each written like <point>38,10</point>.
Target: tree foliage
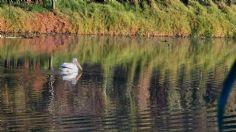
<point>131,2</point>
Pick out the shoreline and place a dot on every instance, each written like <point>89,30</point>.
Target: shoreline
<point>29,35</point>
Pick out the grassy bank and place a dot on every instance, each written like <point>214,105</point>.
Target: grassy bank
<point>169,18</point>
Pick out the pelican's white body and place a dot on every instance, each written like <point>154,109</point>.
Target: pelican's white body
<point>69,68</point>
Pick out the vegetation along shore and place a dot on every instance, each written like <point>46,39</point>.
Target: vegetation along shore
<point>198,18</point>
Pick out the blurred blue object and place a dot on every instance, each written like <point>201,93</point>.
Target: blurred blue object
<point>225,93</point>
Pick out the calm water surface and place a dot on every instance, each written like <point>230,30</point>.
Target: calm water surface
<point>126,85</point>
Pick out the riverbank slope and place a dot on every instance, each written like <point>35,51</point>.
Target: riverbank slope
<point>171,18</point>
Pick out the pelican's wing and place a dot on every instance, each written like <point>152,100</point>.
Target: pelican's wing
<point>68,65</point>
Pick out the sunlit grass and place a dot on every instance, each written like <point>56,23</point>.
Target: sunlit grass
<point>115,18</point>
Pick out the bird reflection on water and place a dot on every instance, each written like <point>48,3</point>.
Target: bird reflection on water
<point>72,78</point>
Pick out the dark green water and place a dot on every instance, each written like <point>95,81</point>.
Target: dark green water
<point>127,84</point>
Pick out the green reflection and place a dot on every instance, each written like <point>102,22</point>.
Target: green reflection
<point>164,52</point>
<point>122,77</point>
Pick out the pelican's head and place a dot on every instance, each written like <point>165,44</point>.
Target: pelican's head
<point>75,61</point>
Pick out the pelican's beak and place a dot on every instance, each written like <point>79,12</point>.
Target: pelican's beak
<point>80,67</point>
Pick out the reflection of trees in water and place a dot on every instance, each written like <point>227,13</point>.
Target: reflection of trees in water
<point>197,86</point>
<point>183,85</point>
<point>112,51</point>
<point>18,98</point>
<point>192,87</point>
<point>158,92</point>
<point>120,79</point>
<point>214,83</point>
<point>26,63</point>
<point>161,89</point>
<point>141,91</point>
<point>126,87</point>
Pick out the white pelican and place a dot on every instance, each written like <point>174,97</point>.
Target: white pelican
<point>69,68</point>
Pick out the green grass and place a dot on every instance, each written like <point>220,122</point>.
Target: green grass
<point>160,19</point>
